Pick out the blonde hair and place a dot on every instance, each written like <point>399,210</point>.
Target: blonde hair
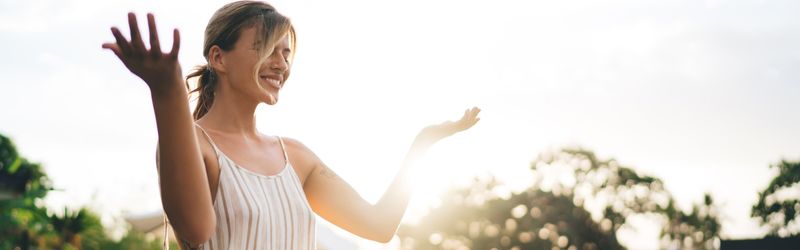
<point>224,29</point>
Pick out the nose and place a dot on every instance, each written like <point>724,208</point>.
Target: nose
<point>278,63</point>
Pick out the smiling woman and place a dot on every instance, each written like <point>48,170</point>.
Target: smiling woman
<point>237,188</point>
<point>262,37</point>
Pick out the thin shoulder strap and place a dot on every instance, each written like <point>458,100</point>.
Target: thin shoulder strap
<point>285,155</point>
<point>214,145</point>
<point>165,245</point>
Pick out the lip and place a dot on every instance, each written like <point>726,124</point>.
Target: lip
<point>274,81</point>
<point>275,77</point>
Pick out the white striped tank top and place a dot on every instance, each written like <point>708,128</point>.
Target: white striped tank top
<point>256,211</point>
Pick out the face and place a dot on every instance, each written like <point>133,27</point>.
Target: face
<point>239,66</point>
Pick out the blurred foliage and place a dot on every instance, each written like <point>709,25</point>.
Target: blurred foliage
<point>26,223</point>
<point>137,240</point>
<point>9,158</point>
<point>22,185</point>
<point>555,211</point>
<point>777,212</point>
<point>80,229</point>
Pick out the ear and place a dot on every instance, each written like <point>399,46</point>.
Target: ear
<point>215,56</point>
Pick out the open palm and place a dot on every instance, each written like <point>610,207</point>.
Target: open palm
<point>161,71</point>
<point>433,133</point>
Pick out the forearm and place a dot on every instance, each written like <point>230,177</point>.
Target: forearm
<point>335,200</point>
<point>182,175</point>
<point>181,171</point>
<point>393,204</point>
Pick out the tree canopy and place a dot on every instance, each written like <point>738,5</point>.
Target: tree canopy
<point>776,209</point>
<point>556,210</point>
<point>26,223</point>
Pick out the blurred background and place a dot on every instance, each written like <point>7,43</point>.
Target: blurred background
<point>613,124</point>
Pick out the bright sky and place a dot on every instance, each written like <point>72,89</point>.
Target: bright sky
<point>703,94</point>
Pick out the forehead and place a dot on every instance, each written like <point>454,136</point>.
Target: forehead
<point>248,37</point>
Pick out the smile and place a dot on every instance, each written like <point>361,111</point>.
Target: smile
<point>273,82</point>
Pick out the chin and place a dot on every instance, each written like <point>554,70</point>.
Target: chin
<point>270,99</point>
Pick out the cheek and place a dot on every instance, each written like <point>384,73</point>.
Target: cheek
<point>242,69</point>
<point>244,75</point>
<point>286,75</point>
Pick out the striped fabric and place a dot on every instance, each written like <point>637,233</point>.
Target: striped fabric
<point>256,211</point>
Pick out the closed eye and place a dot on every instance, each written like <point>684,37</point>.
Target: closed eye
<point>286,53</point>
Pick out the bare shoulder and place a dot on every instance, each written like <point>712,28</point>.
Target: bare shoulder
<point>209,156</point>
<point>302,157</point>
<point>295,145</point>
<point>210,160</point>
<point>205,145</point>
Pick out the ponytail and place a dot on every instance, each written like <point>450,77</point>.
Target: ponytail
<point>205,89</point>
<point>223,30</point>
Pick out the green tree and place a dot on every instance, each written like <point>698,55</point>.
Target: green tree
<point>555,210</point>
<point>774,211</point>
<point>22,184</point>
<point>25,223</point>
<point>479,217</point>
<point>136,240</point>
<point>79,229</point>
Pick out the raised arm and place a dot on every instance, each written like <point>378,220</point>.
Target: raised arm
<point>182,175</point>
<point>336,201</point>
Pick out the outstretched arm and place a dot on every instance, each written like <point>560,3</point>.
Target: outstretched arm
<point>182,175</point>
<point>336,201</point>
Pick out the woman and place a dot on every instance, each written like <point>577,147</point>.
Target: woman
<point>224,184</point>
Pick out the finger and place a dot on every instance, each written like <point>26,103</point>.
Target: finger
<point>475,122</point>
<point>136,37</point>
<point>176,44</point>
<point>114,48</point>
<point>470,113</point>
<point>155,47</point>
<point>469,123</point>
<point>474,112</point>
<point>122,43</point>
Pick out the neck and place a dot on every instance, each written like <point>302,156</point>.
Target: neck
<point>231,113</point>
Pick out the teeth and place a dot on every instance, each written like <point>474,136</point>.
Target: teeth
<point>273,82</point>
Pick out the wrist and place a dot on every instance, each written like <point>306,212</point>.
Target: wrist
<point>167,91</point>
